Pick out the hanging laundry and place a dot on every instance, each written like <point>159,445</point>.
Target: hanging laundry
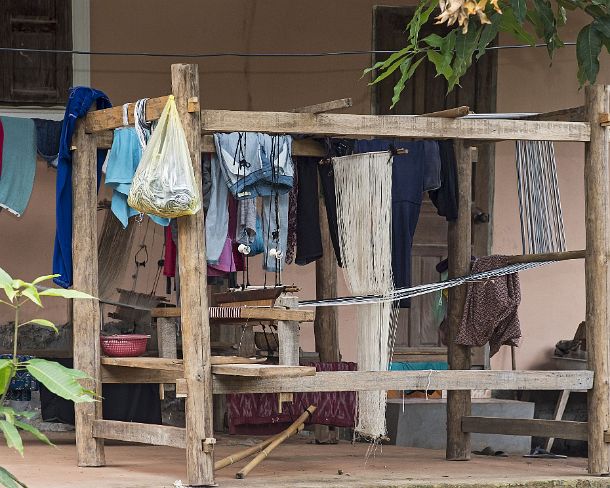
<point>409,182</point>
<point>217,217</point>
<point>490,312</point>
<point>327,180</point>
<point>445,198</point>
<point>292,218</point>
<point>122,162</point>
<point>255,164</point>
<point>309,239</point>
<point>79,101</point>
<point>169,257</point>
<point>1,145</point>
<point>230,260</point>
<point>18,163</point>
<point>275,231</point>
<point>246,221</point>
<point>48,134</point>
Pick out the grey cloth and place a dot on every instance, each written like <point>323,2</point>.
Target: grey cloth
<point>217,217</point>
<point>246,221</point>
<point>270,226</point>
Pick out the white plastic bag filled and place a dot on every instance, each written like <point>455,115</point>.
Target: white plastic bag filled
<point>164,183</point>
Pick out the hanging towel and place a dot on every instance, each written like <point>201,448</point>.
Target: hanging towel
<point>18,164</point>
<point>123,160</point>
<point>445,198</point>
<point>79,101</point>
<point>309,238</point>
<point>490,312</point>
<point>246,221</point>
<point>217,216</point>
<point>48,134</point>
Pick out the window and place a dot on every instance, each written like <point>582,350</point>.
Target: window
<point>35,78</point>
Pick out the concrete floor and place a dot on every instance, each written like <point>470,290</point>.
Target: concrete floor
<point>294,464</point>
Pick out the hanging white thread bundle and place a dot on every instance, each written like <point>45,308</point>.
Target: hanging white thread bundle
<point>363,186</point>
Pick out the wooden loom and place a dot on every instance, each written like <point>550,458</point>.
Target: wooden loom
<point>197,378</point>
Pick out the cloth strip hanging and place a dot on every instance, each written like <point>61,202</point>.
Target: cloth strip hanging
<point>401,293</point>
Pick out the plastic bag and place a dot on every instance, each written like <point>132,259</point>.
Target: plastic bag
<point>164,183</point>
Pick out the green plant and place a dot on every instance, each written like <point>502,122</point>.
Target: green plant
<point>60,380</point>
<point>473,26</point>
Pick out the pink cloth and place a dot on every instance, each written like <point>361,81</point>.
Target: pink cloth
<point>169,263</point>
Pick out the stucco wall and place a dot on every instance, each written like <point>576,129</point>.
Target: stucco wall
<point>553,298</point>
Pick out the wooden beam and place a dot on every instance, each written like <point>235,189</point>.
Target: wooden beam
<point>156,435</point>
<point>112,118</point>
<point>263,370</point>
<point>171,364</point>
<point>561,429</point>
<point>458,255</point>
<point>248,313</point>
<point>450,113</point>
<point>86,313</point>
<point>597,208</point>
<point>122,375</point>
<point>193,285</point>
<point>409,380</point>
<point>574,114</point>
<point>319,108</point>
<point>403,126</point>
<point>548,256</point>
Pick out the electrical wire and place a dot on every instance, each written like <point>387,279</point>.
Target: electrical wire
<point>236,54</point>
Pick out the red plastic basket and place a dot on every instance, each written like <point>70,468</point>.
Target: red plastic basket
<point>127,345</point>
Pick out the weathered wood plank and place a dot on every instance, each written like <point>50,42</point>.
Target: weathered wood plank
<point>263,370</point>
<point>86,313</point>
<point>410,380</point>
<point>561,429</point>
<point>195,316</point>
<point>156,435</point>
<point>112,118</point>
<point>171,364</point>
<point>574,114</point>
<point>449,113</point>
<point>404,126</point>
<point>247,313</point>
<point>121,374</point>
<point>319,108</point>
<point>459,252</point>
<point>597,208</point>
<point>288,333</point>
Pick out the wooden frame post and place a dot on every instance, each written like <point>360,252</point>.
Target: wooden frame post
<point>194,300</point>
<point>86,313</point>
<point>459,252</point>
<point>596,276</point>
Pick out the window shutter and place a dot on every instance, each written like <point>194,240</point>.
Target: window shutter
<point>28,77</point>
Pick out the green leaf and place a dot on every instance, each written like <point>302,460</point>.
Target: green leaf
<point>8,480</point>
<point>60,292</point>
<point>465,45</point>
<point>519,9</point>
<point>488,34</point>
<point>393,57</point>
<point>387,72</point>
<point>407,69</point>
<point>34,431</point>
<point>10,292</point>
<point>59,379</point>
<point>508,23</point>
<point>13,439</point>
<point>9,414</point>
<point>40,279</point>
<point>5,278</point>
<point>43,323</point>
<point>6,373</point>
<point>434,40</point>
<point>31,292</point>
<point>440,63</point>
<point>588,49</point>
<point>546,24</point>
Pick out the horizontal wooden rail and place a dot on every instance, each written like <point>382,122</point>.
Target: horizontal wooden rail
<point>561,429</point>
<point>548,256</point>
<point>574,114</point>
<point>156,435</point>
<point>248,313</point>
<point>404,126</point>
<point>112,118</point>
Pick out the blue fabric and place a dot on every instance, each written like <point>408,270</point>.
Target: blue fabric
<point>80,99</point>
<point>123,160</point>
<point>408,186</point>
<point>217,216</point>
<point>429,366</point>
<point>18,163</point>
<point>48,135</point>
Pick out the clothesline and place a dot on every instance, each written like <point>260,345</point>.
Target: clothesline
<point>413,291</point>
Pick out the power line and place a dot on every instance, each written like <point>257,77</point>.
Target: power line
<point>234,54</point>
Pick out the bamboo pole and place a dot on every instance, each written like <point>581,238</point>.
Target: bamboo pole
<point>194,300</point>
<point>459,252</point>
<point>596,276</point>
<point>238,456</point>
<point>86,313</point>
<point>293,429</point>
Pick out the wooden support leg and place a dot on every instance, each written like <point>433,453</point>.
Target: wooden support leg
<point>459,252</point>
<point>560,408</point>
<point>288,335</point>
<point>166,343</point>
<point>194,301</point>
<point>596,276</point>
<point>86,313</point>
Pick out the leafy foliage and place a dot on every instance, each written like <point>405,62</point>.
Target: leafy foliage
<point>60,380</point>
<point>478,24</point>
